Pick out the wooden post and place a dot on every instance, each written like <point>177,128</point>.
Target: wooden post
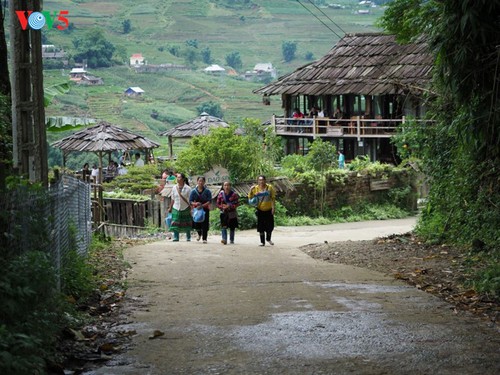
<point>28,112</point>
<point>170,147</point>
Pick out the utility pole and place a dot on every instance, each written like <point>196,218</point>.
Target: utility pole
<point>28,111</point>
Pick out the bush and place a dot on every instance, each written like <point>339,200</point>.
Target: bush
<point>136,180</point>
<point>32,313</point>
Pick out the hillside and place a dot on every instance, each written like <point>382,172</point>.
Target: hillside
<point>255,29</point>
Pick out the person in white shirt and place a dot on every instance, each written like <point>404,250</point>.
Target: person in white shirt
<point>122,170</point>
<point>181,208</point>
<point>138,161</point>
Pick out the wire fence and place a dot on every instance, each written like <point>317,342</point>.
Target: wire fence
<point>57,220</point>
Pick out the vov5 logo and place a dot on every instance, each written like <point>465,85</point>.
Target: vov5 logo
<point>37,20</point>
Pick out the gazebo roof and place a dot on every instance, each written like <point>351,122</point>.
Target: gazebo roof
<point>198,126</point>
<point>104,137</point>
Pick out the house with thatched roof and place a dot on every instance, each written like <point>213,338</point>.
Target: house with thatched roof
<point>362,89</point>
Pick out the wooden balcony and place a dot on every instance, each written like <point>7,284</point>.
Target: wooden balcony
<point>355,127</point>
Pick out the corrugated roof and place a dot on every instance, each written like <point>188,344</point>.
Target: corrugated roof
<point>365,64</point>
<point>104,137</point>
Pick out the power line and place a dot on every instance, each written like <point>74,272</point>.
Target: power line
<point>326,15</point>
<point>369,59</point>
<point>315,16</point>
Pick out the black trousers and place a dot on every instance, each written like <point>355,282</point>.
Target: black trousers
<point>265,225</point>
<point>202,228</point>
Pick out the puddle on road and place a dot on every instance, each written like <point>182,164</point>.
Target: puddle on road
<point>364,288</point>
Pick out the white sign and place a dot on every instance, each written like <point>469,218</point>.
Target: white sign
<point>217,176</point>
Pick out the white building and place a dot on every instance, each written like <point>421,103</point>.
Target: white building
<point>214,69</point>
<point>137,60</point>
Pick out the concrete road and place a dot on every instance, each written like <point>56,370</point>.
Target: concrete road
<point>245,309</point>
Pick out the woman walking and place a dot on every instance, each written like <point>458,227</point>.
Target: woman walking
<point>227,202</point>
<point>200,198</point>
<point>180,208</point>
<point>266,196</point>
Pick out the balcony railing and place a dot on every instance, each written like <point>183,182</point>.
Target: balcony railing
<point>355,127</point>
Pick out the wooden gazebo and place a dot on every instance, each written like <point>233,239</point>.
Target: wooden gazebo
<point>199,126</point>
<point>103,138</point>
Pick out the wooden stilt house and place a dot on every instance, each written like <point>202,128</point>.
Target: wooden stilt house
<point>364,88</point>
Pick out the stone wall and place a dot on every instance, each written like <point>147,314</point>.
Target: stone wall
<point>354,190</point>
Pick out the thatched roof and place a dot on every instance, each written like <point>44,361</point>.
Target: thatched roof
<point>198,126</point>
<point>364,64</point>
<point>104,137</point>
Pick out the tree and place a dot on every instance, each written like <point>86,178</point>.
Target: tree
<point>174,50</point>
<point>265,135</point>
<point>241,155</point>
<point>206,55</point>
<point>94,48</point>
<point>233,59</point>
<point>190,55</point>
<point>5,105</point>
<point>120,56</point>
<point>461,152</point>
<point>212,108</point>
<point>321,155</point>
<point>127,26</point>
<point>192,43</point>
<point>288,49</point>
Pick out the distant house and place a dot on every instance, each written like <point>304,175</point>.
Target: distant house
<point>76,74</point>
<point>214,69</point>
<point>134,91</point>
<point>265,68</point>
<point>137,59</point>
<point>90,80</point>
<point>50,51</point>
<point>261,71</point>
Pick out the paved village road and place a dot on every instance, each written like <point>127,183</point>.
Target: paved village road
<point>245,309</point>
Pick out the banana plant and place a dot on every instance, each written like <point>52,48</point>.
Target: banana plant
<point>62,123</point>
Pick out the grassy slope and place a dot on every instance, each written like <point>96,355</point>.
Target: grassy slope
<point>175,95</point>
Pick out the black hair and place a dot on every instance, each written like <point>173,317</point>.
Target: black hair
<point>184,178</point>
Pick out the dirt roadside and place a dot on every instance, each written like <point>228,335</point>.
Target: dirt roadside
<point>437,269</point>
<point>243,309</point>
